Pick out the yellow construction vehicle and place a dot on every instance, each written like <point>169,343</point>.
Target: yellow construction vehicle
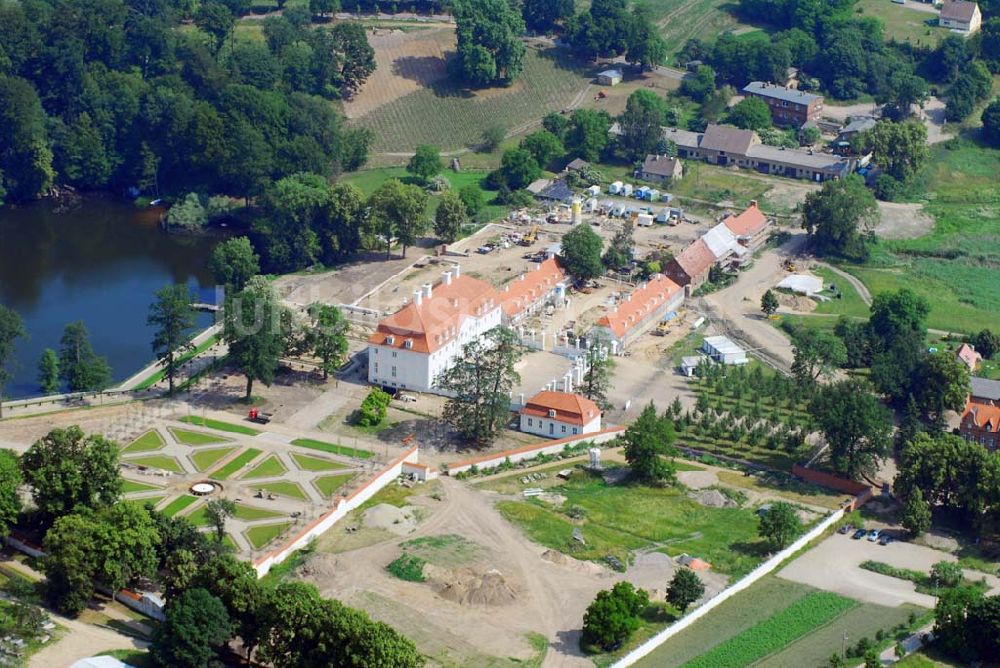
<point>789,265</point>
<point>530,237</point>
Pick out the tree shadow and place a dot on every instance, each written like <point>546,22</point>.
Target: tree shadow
<point>758,548</point>
<point>424,70</point>
<point>563,59</point>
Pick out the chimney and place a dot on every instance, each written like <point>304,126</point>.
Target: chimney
<point>456,271</point>
<point>428,290</point>
<point>446,278</point>
<point>753,204</point>
<point>418,297</point>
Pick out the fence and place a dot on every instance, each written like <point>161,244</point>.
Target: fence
<point>532,451</point>
<point>342,507</point>
<point>756,574</point>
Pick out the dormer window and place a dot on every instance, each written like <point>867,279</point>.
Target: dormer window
<point>408,344</point>
<point>552,413</point>
<point>391,340</point>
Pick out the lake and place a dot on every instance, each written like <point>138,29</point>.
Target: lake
<point>99,261</point>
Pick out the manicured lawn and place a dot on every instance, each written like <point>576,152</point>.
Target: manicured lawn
<point>247,513</point>
<point>329,484</point>
<point>268,468</point>
<point>621,518</point>
<point>157,462</point>
<point>332,448</point>
<point>195,438</point>
<point>179,504</point>
<point>129,486</point>
<point>308,463</point>
<point>205,459</point>
<point>152,500</point>
<point>849,303</point>
<point>236,464</point>
<point>219,425</point>
<point>902,23</point>
<point>260,536</point>
<point>151,440</point>
<point>284,488</point>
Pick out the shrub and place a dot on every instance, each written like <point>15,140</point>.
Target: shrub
<point>374,408</point>
<point>408,567</point>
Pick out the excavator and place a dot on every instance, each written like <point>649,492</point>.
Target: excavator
<point>530,237</point>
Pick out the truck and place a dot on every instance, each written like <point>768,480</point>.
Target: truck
<point>258,416</point>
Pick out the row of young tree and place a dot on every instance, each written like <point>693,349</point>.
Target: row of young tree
<point>115,95</point>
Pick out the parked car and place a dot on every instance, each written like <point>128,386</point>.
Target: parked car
<point>859,534</point>
<point>846,529</point>
<point>873,535</point>
<point>885,539</point>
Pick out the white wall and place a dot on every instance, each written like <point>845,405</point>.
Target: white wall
<point>556,428</point>
<point>530,452</point>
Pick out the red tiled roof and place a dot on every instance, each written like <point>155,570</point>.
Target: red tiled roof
<point>438,319</point>
<point>696,258</point>
<point>748,223</point>
<point>968,354</point>
<point>531,286</point>
<point>640,303</point>
<point>981,416</point>
<point>569,408</point>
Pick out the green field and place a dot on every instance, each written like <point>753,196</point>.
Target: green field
<point>284,488</point>
<point>195,438</point>
<point>849,303</point>
<point>369,180</point>
<point>332,448</point>
<point>621,518</point>
<point>902,23</point>
<point>219,425</point>
<point>157,462</point>
<point>236,464</point>
<point>204,459</point>
<point>149,441</point>
<point>260,536</point>
<point>199,518</point>
<point>268,468</point>
<point>179,504</point>
<point>446,115</point>
<point>129,486</point>
<point>329,484</point>
<point>308,463</point>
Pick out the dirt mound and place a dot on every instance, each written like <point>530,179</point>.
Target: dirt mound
<point>400,521</point>
<point>469,586</point>
<point>796,302</point>
<point>712,498</point>
<point>318,568</point>
<point>585,567</point>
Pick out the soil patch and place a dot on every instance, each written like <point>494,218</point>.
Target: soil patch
<point>903,220</point>
<point>576,565</point>
<point>697,479</point>
<point>400,521</point>
<point>713,498</point>
<point>796,302</point>
<point>469,586</point>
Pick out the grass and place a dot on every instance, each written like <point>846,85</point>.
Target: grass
<point>204,459</point>
<point>774,632</point>
<point>308,463</point>
<point>850,302</point>
<point>152,500</point>
<point>179,504</point>
<point>446,550</point>
<point>407,567</point>
<point>284,488</point>
<point>157,462</point>
<point>129,486</point>
<point>186,357</point>
<point>149,441</point>
<point>621,518</point>
<point>199,518</point>
<point>268,468</point>
<point>333,448</point>
<point>793,490</point>
<point>704,182</point>
<point>327,485</point>
<point>902,23</point>
<point>259,536</point>
<point>369,180</point>
<point>218,425</point>
<point>195,438</point>
<point>236,464</point>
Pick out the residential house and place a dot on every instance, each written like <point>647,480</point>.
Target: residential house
<point>749,227</point>
<point>560,414</point>
<point>981,424</point>
<point>961,16</point>
<point>968,355</point>
<point>788,106</point>
<point>661,168</point>
<point>530,291</point>
<point>610,77</point>
<point>641,309</point>
<point>577,165</point>
<point>412,347</point>
<point>985,391</point>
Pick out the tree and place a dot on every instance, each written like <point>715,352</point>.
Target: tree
<point>398,212</point>
<point>26,160</point>
<point>946,574</point>
<point>613,616</point>
<point>581,253</point>
<point>641,124</point>
<point>543,146</point>
<point>189,213</point>
<point>780,525</point>
<point>451,216</point>
<point>326,336</point>
<point>701,86</point>
<point>588,133</point>
<point>816,353</point>
<point>48,372</point>
<point>218,511</point>
<point>872,659</point>
<point>374,408</point>
<point>856,426</point>
<point>493,135</point>
<point>173,317</point>
<point>951,623</point>
<point>684,589</point>
<point>596,379</point>
<point>253,329</point>
<point>67,470</point>
<point>489,32</point>
<point>234,263</point>
<point>987,343</point>
<point>839,217</point>
<point>518,168</point>
<point>750,113</point>
<point>425,163</point>
<point>620,249</point>
<point>769,303</point>
<point>81,368</point>
<point>11,329</point>
<point>903,91</point>
<point>896,332</point>
<point>544,15</point>
<point>196,629</point>
<point>10,482</point>
<point>473,198</point>
<point>972,85</point>
<point>481,382</point>
<point>899,148</point>
<point>991,123</point>
<point>215,19</point>
<point>941,383</point>
<point>322,8</point>
<point>984,628</point>
<point>647,440</point>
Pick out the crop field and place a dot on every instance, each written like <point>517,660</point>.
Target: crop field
<point>617,519</point>
<point>681,20</point>
<point>775,632</point>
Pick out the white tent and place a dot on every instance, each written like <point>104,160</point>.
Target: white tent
<point>802,284</point>
<point>100,662</point>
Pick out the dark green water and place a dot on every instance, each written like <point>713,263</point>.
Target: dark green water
<point>100,261</point>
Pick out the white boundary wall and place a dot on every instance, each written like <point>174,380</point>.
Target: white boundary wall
<point>756,574</point>
<point>324,523</point>
<point>530,452</point>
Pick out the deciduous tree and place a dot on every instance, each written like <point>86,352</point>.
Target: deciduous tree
<point>856,427</point>
<point>48,372</point>
<point>941,383</point>
<point>79,365</point>
<point>769,303</point>
<point>817,353</point>
<point>11,329</point>
<point>840,216</point>
<point>234,263</point>
<point>899,148</point>
<point>426,163</point>
<point>543,146</point>
<point>613,616</point>
<point>684,589</point>
<point>452,214</point>
<point>489,32</point>
<point>648,441</point>
<point>581,253</point>
<point>196,628</point>
<point>597,377</point>
<point>10,498</point>
<point>326,336</point>
<point>398,212</point>
<point>544,15</point>
<point>780,525</point>
<point>218,511</point>
<point>750,113</point>
<point>254,331</point>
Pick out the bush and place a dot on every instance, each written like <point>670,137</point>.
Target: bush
<point>408,567</point>
<point>374,408</point>
<point>887,188</point>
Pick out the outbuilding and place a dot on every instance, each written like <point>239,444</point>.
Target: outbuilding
<point>560,414</point>
<point>723,350</point>
<point>610,77</point>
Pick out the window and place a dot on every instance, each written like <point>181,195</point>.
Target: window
<point>376,368</point>
<point>564,429</point>
<point>531,422</point>
<point>575,431</point>
<point>393,371</point>
<point>393,353</point>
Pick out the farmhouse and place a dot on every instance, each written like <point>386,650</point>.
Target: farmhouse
<point>749,227</point>
<point>690,268</point>
<point>661,168</point>
<point>642,308</point>
<point>530,291</point>
<point>723,350</point>
<point>559,414</point>
<point>788,106</point>
<point>412,347</point>
<point>968,356</point>
<point>961,16</point>
<point>981,424</point>
<point>610,77</point>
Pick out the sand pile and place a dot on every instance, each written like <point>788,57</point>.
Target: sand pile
<point>712,498</point>
<point>798,303</point>
<point>469,586</point>
<point>585,567</point>
<point>400,521</point>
